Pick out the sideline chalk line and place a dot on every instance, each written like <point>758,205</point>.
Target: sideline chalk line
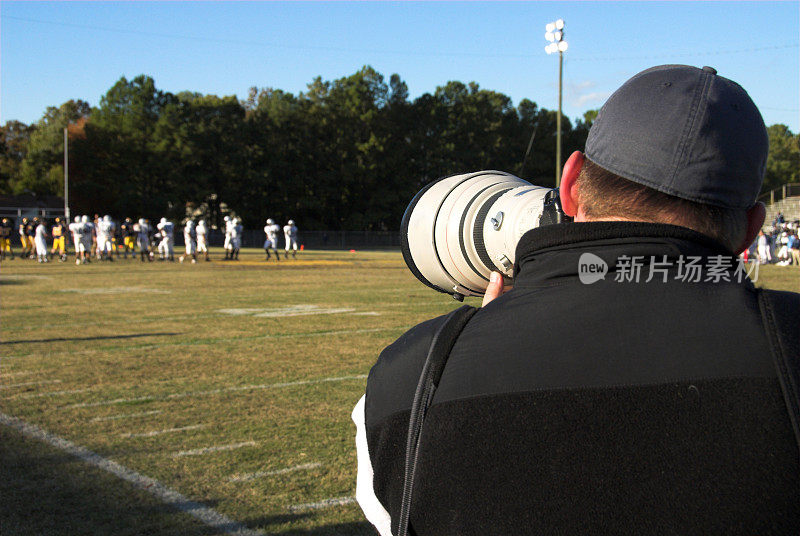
<point>259,474</point>
<point>327,503</point>
<point>206,450</point>
<point>211,392</point>
<point>206,515</point>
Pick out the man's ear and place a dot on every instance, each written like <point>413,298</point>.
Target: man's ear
<point>755,219</point>
<point>568,191</point>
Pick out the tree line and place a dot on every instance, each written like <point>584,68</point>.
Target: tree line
<point>347,154</point>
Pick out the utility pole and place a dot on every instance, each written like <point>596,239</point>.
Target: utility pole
<point>66,175</point>
<point>554,32</point>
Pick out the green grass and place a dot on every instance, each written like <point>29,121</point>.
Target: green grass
<point>131,348</point>
<point>148,340</point>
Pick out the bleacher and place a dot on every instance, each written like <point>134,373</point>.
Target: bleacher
<point>785,200</point>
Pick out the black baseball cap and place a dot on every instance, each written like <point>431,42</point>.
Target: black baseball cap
<point>686,132</point>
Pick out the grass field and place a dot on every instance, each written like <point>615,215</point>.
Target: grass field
<point>228,383</point>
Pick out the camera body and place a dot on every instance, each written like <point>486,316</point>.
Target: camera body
<point>459,229</point>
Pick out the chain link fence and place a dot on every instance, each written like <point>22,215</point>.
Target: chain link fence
<point>252,238</point>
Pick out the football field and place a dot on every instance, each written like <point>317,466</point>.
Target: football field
<point>169,398</point>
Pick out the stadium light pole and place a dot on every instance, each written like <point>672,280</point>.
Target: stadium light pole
<point>66,175</point>
<point>554,33</point>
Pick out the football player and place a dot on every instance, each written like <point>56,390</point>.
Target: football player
<point>59,234</point>
<point>290,237</point>
<point>23,238</point>
<point>227,245</point>
<point>142,229</point>
<point>202,245</point>
<point>271,230</point>
<point>104,230</point>
<point>77,229</point>
<point>128,238</point>
<point>189,240</point>
<point>89,238</point>
<point>166,249</point>
<point>40,240</point>
<point>236,238</point>
<point>6,228</point>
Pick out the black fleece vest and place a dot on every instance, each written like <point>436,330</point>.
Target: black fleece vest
<point>616,407</point>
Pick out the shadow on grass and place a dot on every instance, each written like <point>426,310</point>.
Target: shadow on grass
<point>337,529</point>
<point>98,338</point>
<point>269,525</point>
<point>46,492</point>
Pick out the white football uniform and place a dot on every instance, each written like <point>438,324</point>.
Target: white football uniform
<point>201,232</point>
<point>188,239</point>
<point>41,240</point>
<point>77,230</point>
<point>272,234</point>
<point>167,241</point>
<point>143,237</point>
<point>88,227</point>
<point>236,236</point>
<point>228,229</point>
<point>267,242</point>
<point>104,230</point>
<point>290,236</point>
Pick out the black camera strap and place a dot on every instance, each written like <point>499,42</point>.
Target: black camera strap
<point>779,315</point>
<point>439,351</point>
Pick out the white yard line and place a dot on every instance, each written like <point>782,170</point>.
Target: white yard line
<point>167,431</point>
<point>218,448</point>
<point>40,382</point>
<point>260,474</point>
<point>125,416</point>
<point>212,392</point>
<point>206,515</point>
<point>327,503</point>
<point>12,374</point>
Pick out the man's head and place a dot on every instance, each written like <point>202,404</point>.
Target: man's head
<point>675,144</point>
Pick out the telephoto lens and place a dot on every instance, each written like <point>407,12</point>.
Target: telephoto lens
<point>459,229</point>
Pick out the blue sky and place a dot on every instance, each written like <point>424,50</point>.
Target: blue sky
<point>51,52</point>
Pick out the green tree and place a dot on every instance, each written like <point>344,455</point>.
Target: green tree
<point>42,168</point>
<point>14,138</point>
<point>783,162</point>
<point>123,168</point>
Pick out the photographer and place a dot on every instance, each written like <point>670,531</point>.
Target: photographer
<point>643,399</point>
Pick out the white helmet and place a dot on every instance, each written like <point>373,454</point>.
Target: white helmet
<point>163,220</point>
<point>106,218</point>
<point>227,218</point>
<point>290,222</point>
<point>77,219</point>
<point>84,218</point>
<point>141,221</point>
<point>201,222</point>
<point>270,221</point>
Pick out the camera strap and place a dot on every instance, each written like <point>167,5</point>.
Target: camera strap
<point>439,351</point>
<point>779,315</point>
